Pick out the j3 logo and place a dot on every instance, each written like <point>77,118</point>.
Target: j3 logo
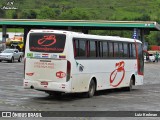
<point>119,69</point>
<point>47,40</point>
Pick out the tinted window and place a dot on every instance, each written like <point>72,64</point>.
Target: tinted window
<point>110,49</point>
<point>121,50</point>
<point>130,51</point>
<point>82,46</point>
<point>47,42</point>
<point>126,51</point>
<point>87,48</point>
<point>75,46</point>
<point>92,49</point>
<point>134,50</point>
<point>105,49</point>
<point>16,51</point>
<point>116,52</point>
<point>100,49</point>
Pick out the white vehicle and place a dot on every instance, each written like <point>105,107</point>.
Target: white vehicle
<point>152,57</point>
<point>11,55</point>
<point>68,62</point>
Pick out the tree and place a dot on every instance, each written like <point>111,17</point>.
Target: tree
<point>32,15</point>
<point>152,38</point>
<point>144,17</point>
<point>46,13</point>
<point>24,14</point>
<point>2,13</point>
<point>15,15</point>
<point>75,14</point>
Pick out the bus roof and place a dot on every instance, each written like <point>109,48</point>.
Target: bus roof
<point>82,35</point>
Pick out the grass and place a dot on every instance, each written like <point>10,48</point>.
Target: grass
<point>15,30</point>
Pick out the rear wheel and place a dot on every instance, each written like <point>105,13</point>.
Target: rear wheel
<point>130,87</point>
<point>92,89</point>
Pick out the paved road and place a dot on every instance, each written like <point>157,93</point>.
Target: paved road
<point>14,97</point>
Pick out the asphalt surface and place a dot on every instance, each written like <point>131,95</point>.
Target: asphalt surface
<point>14,98</point>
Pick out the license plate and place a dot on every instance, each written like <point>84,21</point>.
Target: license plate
<point>44,83</point>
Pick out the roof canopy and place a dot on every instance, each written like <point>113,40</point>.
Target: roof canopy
<point>80,24</point>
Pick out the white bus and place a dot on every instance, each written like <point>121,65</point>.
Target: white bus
<point>68,62</point>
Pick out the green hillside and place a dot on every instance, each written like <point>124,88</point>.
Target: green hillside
<point>116,10</point>
<point>82,9</point>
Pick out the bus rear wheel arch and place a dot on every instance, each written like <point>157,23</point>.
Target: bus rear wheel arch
<point>131,83</point>
<point>92,88</point>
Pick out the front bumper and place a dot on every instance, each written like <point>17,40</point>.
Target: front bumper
<point>5,58</point>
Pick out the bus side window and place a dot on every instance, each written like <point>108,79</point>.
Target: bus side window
<point>105,49</point>
<point>130,51</point>
<point>75,47</point>
<point>87,48</point>
<point>92,49</point>
<point>82,46</point>
<point>121,50</point>
<point>116,49</point>
<point>99,49</point>
<point>134,50</point>
<point>126,50</point>
<point>110,49</point>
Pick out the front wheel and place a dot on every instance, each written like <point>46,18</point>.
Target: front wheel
<point>92,89</point>
<point>20,59</point>
<point>12,60</point>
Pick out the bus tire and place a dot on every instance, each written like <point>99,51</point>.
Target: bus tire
<point>92,89</point>
<point>130,87</point>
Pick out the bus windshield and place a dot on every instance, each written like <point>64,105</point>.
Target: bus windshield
<point>47,42</point>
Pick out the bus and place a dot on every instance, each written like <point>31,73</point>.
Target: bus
<point>58,61</point>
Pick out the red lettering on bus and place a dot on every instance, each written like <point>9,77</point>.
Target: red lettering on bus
<point>119,68</point>
<point>51,38</point>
